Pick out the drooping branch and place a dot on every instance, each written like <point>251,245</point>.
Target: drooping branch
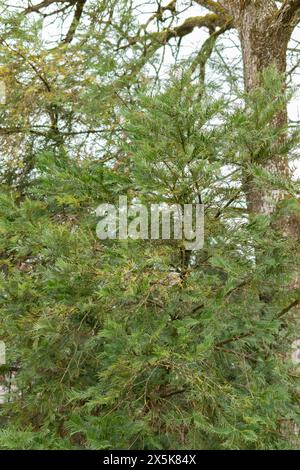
<point>205,53</point>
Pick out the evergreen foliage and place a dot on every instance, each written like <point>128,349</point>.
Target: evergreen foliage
<point>104,349</point>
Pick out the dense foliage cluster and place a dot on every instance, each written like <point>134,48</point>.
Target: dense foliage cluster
<point>130,343</point>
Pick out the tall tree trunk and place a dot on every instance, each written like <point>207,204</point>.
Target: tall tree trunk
<point>263,45</point>
<point>264,32</point>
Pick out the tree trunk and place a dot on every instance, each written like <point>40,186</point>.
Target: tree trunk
<point>263,45</point>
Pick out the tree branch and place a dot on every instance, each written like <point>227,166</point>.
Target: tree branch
<point>77,15</point>
<point>210,21</point>
<point>289,14</point>
<point>233,339</point>
<point>176,392</point>
<point>45,4</point>
<point>213,6</point>
<point>288,308</point>
<point>171,6</point>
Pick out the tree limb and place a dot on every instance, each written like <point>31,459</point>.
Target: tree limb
<point>45,4</point>
<point>213,6</point>
<point>288,308</point>
<point>77,15</point>
<point>234,339</point>
<point>171,6</point>
<point>210,21</point>
<point>289,14</point>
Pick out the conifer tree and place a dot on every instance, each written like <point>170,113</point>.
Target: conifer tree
<point>142,344</point>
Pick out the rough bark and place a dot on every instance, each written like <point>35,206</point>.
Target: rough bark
<point>264,31</point>
<point>264,36</point>
<point>264,44</point>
